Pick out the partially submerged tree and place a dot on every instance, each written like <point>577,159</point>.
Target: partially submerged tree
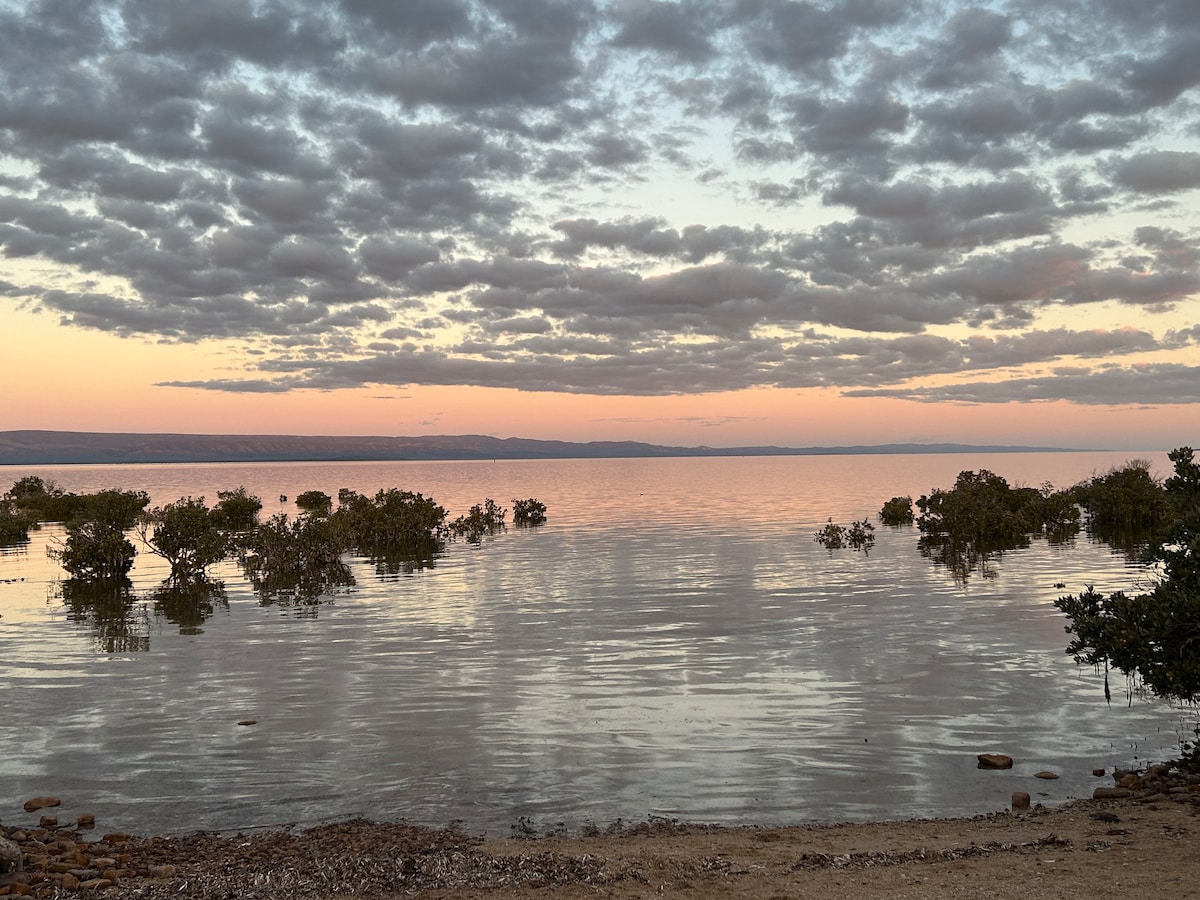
<point>1125,506</point>
<point>15,523</point>
<point>528,512</point>
<point>237,510</point>
<point>982,517</point>
<point>1154,637</point>
<point>316,502</point>
<point>188,535</point>
<point>96,547</point>
<point>482,519</point>
<point>859,536</point>
<point>897,511</point>
<point>299,559</point>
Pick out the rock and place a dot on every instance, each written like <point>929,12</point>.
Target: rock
<point>1049,776</point>
<point>86,820</point>
<point>69,882</point>
<point>994,761</point>
<point>1099,773</point>
<point>1111,794</point>
<point>1105,816</point>
<point>1020,800</point>
<point>248,722</point>
<point>41,803</point>
<point>95,884</point>
<point>48,821</point>
<point>11,857</point>
<point>162,871</point>
<point>1129,781</point>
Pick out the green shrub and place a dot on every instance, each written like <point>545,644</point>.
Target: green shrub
<point>300,559</point>
<point>389,520</point>
<point>529,512</point>
<point>1126,499</point>
<point>94,551</point>
<point>316,502</point>
<point>1154,637</point>
<point>482,519</point>
<point>188,535</point>
<point>897,511</point>
<point>15,523</point>
<point>237,510</point>
<point>859,536</point>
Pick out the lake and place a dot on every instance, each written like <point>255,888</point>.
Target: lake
<point>672,642</point>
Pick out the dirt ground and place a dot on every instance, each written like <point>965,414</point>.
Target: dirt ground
<point>1089,849</point>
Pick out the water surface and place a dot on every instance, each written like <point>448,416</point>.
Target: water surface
<point>672,642</point>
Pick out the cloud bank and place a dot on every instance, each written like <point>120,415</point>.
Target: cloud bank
<point>901,198</point>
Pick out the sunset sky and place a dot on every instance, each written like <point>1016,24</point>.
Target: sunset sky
<point>720,222</point>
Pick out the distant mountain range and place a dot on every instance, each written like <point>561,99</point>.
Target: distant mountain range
<point>68,447</point>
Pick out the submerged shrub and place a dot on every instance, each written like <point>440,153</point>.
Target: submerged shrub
<point>897,511</point>
<point>237,510</point>
<point>391,519</point>
<point>529,512</point>
<point>982,516</point>
<point>315,502</point>
<point>1154,637</point>
<point>859,536</point>
<point>42,500</point>
<point>482,519</point>
<point>14,524</point>
<point>187,534</point>
<point>94,551</point>
<point>300,558</point>
<point>96,547</point>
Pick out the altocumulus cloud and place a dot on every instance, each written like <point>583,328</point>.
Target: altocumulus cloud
<point>511,192</point>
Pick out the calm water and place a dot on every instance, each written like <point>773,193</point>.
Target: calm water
<point>672,642</point>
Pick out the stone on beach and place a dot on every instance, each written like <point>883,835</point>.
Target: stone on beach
<point>11,857</point>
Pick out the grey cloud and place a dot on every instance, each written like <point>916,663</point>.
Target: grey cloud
<point>679,29</point>
<point>969,51</point>
<point>1152,384</point>
<point>391,259</point>
<point>501,183</point>
<point>1159,171</point>
<point>235,386</point>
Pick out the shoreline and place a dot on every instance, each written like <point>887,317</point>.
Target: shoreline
<point>1140,840</point>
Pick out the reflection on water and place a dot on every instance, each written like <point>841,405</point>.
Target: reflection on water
<point>671,641</point>
<point>117,619</point>
<point>189,603</point>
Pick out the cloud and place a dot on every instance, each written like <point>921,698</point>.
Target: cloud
<point>1159,172</point>
<point>660,196</point>
<point>1128,386</point>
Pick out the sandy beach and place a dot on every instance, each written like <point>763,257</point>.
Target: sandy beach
<point>1146,846</point>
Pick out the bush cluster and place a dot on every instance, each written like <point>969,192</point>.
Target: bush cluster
<point>1153,637</point>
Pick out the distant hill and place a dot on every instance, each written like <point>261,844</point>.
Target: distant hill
<point>33,448</point>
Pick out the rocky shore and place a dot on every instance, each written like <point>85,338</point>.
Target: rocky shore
<point>1140,835</point>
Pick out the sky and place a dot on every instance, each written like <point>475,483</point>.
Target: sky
<point>704,222</point>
